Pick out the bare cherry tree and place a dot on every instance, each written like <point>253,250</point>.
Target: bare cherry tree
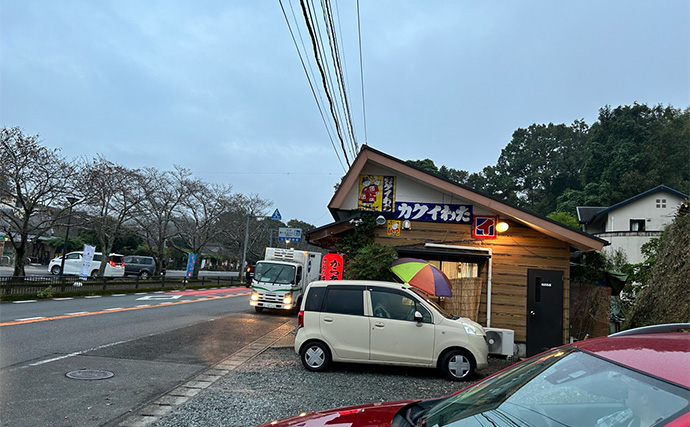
<point>34,183</point>
<point>163,193</point>
<point>198,220</point>
<point>111,192</point>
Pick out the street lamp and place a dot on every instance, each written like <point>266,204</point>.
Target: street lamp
<point>71,201</point>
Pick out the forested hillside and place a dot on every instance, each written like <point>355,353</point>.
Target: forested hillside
<point>554,168</point>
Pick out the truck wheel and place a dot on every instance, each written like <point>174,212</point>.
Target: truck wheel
<point>315,356</point>
<point>55,270</point>
<point>259,309</point>
<point>457,365</point>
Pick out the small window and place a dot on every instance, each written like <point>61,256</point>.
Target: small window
<point>637,225</point>
<point>468,269</point>
<point>315,298</point>
<point>341,300</point>
<point>661,203</point>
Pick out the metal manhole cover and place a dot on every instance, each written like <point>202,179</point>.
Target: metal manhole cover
<point>89,374</point>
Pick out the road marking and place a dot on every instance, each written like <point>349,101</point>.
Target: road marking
<point>25,301</point>
<point>76,353</point>
<point>62,299</point>
<point>158,297</point>
<point>119,295</point>
<point>76,312</point>
<point>111,309</point>
<point>91,313</point>
<point>92,296</point>
<point>29,318</point>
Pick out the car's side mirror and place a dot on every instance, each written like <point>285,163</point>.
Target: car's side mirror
<point>418,317</point>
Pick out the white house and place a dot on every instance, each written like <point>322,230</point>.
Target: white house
<point>633,222</point>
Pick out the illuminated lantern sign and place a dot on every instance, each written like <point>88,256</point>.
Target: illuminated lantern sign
<point>332,267</point>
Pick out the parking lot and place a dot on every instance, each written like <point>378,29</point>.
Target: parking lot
<point>274,385</point>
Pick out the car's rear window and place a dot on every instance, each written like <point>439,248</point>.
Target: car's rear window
<point>116,258</point>
<point>344,300</point>
<point>315,298</point>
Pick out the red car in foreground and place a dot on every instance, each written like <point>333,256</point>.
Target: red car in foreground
<point>639,377</point>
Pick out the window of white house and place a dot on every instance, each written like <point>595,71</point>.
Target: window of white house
<point>468,269</point>
<point>661,203</point>
<point>637,225</point>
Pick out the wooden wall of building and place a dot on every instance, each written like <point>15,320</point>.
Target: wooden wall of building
<point>513,253</point>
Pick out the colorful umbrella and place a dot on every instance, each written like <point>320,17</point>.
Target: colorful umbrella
<point>422,275</point>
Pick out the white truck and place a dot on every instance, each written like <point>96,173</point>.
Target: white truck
<point>281,277</point>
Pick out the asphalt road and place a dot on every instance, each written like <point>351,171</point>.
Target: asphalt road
<point>151,343</point>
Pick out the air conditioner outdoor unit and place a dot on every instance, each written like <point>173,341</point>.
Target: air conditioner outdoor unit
<point>500,341</point>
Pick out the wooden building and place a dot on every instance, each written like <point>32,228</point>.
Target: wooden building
<point>517,278</point>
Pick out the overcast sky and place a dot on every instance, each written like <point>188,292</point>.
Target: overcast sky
<point>218,87</point>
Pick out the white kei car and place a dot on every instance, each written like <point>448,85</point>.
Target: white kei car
<point>73,263</point>
<point>385,323</point>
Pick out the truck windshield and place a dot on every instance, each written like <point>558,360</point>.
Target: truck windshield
<point>267,272</point>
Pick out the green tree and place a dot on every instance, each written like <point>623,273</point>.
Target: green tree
<point>565,218</point>
<point>540,163</point>
<point>635,148</point>
<point>372,262</point>
<point>664,297</point>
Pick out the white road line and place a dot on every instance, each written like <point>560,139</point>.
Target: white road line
<point>29,318</point>
<point>76,312</point>
<point>76,353</point>
<point>62,299</point>
<point>119,295</point>
<point>92,296</point>
<point>25,301</point>
<point>111,309</point>
<point>140,293</point>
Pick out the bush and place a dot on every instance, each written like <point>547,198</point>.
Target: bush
<point>45,293</point>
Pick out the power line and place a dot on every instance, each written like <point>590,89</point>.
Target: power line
<point>311,85</point>
<point>330,63</point>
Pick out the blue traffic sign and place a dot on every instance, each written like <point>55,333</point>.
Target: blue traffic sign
<point>276,215</point>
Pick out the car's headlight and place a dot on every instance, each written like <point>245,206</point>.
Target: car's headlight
<point>287,299</point>
<point>472,330</point>
<point>254,297</point>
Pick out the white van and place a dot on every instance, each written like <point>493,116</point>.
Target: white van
<point>73,261</point>
<point>385,323</point>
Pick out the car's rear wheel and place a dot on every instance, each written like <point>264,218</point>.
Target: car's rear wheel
<point>94,274</point>
<point>144,274</point>
<point>259,309</point>
<point>457,365</point>
<point>55,270</point>
<point>315,356</point>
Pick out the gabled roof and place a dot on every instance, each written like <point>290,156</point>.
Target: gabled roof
<point>604,211</point>
<point>586,213</point>
<point>576,238</point>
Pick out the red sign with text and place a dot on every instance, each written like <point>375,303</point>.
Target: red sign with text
<point>332,267</point>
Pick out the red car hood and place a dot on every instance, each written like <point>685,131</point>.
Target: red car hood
<point>370,415</point>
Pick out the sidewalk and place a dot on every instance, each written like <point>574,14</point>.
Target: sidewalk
<point>281,337</point>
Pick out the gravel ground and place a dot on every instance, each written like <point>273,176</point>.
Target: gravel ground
<point>275,385</point>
